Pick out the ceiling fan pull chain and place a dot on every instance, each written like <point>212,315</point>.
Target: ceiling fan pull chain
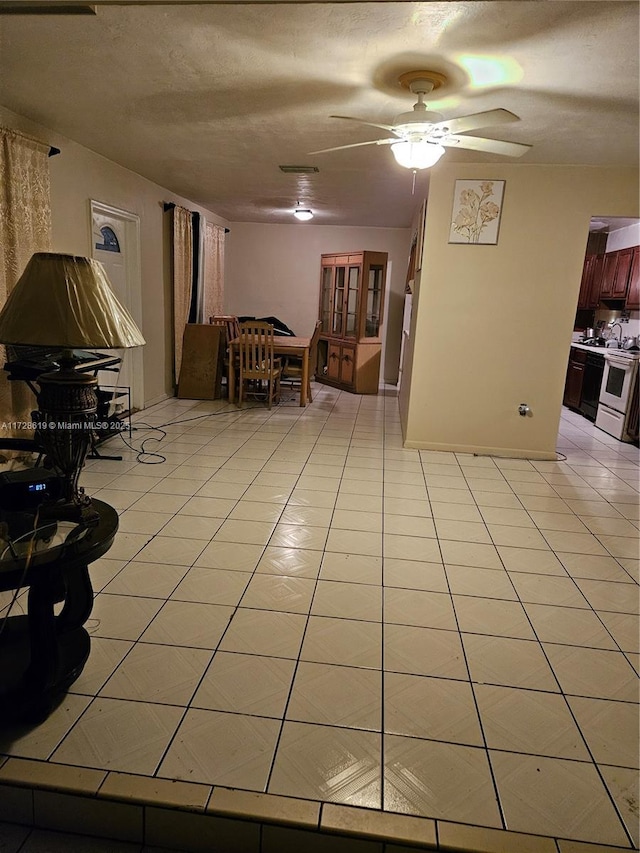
<point>413,183</point>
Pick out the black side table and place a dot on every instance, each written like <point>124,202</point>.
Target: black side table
<point>41,653</point>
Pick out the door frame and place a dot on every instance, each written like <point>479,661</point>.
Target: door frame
<point>131,223</point>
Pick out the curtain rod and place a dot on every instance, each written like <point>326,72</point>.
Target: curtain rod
<point>169,205</point>
<point>52,149</point>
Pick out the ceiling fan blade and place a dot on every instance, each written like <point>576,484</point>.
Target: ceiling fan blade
<point>355,145</point>
<point>368,123</point>
<point>491,146</point>
<point>471,122</point>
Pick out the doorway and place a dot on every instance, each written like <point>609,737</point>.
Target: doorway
<point>115,242</point>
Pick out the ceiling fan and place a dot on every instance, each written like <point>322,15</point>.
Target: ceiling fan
<point>421,137</point>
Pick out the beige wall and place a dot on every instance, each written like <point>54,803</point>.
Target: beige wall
<point>492,324</point>
<point>274,270</point>
<point>78,175</point>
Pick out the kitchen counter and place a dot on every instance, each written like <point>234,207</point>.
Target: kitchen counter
<point>603,350</point>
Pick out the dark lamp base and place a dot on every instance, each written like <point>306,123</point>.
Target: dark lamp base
<point>67,407</point>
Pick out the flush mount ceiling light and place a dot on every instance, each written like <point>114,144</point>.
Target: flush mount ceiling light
<point>303,214</point>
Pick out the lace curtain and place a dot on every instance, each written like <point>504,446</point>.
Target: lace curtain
<point>198,274</point>
<point>25,228</point>
<point>213,278</point>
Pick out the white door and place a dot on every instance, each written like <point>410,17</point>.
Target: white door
<point>115,242</point>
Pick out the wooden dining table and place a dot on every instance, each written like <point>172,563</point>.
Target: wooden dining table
<point>283,345</point>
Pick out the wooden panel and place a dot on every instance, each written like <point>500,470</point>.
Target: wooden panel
<point>633,293</point>
<point>347,364</point>
<point>333,362</point>
<point>623,267</point>
<point>597,270</point>
<point>355,259</point>
<point>368,368</point>
<point>573,387</point>
<point>202,361</point>
<point>608,274</point>
<point>585,282</point>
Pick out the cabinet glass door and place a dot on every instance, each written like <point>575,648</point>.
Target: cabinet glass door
<point>374,300</point>
<point>338,301</point>
<point>325,299</point>
<point>352,302</point>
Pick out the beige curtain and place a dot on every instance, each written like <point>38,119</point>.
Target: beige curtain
<point>213,283</point>
<point>182,279</point>
<point>25,228</point>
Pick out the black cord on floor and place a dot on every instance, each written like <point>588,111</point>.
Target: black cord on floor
<point>145,457</point>
<point>523,458</point>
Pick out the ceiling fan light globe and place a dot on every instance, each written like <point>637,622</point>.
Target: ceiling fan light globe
<point>303,215</point>
<point>417,155</point>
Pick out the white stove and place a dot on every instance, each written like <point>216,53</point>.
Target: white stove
<point>616,392</point>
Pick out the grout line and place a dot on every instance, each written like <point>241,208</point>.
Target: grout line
<point>364,435</point>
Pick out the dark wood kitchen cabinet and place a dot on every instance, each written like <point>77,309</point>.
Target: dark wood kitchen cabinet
<point>608,279</point>
<point>575,376</point>
<point>585,282</point>
<point>591,281</point>
<point>633,290</point>
<point>621,279</point>
<point>615,274</point>
<point>351,312</point>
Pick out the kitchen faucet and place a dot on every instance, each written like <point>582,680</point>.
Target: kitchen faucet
<point>612,326</point>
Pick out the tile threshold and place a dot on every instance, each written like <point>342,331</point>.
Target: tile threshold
<point>194,817</point>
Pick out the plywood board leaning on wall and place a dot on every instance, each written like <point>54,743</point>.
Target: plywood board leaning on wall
<point>202,360</point>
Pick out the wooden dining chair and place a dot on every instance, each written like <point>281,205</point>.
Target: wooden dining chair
<point>259,370</point>
<point>292,368</point>
<point>232,330</point>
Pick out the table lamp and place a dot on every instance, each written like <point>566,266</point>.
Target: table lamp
<point>66,302</point>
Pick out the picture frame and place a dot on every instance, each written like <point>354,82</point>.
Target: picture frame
<point>476,212</point>
<point>411,268</point>
<point>420,234</point>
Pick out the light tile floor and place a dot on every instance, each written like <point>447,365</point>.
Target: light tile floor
<point>296,604</point>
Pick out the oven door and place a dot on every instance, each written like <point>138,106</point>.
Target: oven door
<point>615,391</point>
<point>611,421</point>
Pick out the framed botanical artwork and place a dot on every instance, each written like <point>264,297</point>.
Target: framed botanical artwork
<point>477,208</point>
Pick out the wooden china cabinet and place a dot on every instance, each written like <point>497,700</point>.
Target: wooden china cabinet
<point>351,312</point>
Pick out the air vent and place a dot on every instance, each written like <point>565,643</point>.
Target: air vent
<point>299,170</point>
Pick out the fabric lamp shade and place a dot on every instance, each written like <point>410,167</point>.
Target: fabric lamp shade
<point>66,301</point>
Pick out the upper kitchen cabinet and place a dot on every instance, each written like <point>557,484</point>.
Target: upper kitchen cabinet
<point>608,279</point>
<point>615,274</point>
<point>590,285</point>
<point>633,290</point>
<point>351,312</point>
<point>592,271</point>
<point>621,280</point>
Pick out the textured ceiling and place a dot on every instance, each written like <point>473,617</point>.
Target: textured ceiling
<point>208,100</point>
